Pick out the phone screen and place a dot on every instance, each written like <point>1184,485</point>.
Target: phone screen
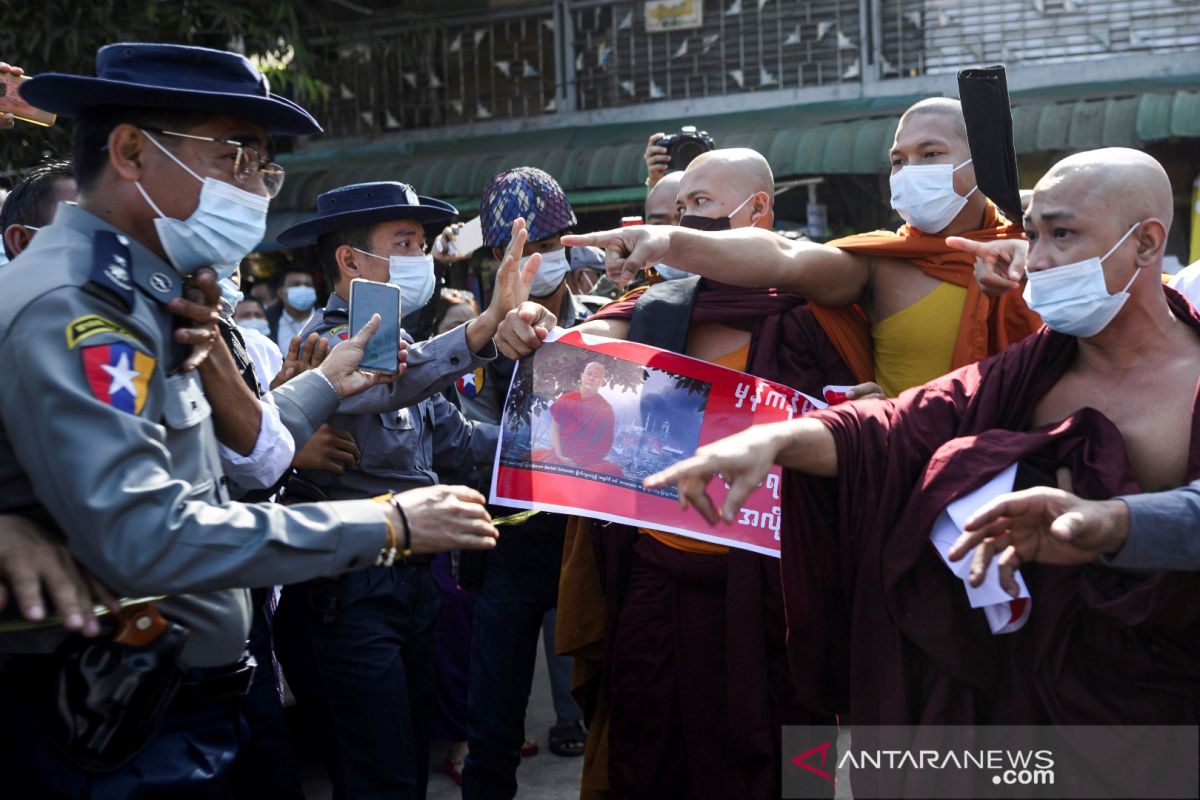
<point>367,298</point>
<point>11,102</point>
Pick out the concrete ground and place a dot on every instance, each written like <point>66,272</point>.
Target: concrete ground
<point>542,777</point>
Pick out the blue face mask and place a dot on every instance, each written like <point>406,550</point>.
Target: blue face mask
<point>230,292</point>
<point>256,324</point>
<point>301,298</point>
<point>226,226</point>
<point>413,275</point>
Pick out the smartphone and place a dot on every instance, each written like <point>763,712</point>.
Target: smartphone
<point>11,102</point>
<point>372,297</point>
<point>470,238</point>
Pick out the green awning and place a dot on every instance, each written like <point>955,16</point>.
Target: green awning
<point>602,165</point>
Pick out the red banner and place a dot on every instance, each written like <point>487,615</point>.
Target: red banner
<point>588,418</point>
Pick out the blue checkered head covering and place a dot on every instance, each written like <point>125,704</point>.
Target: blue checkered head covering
<point>523,192</point>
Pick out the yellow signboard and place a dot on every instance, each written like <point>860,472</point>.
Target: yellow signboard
<point>673,15</point>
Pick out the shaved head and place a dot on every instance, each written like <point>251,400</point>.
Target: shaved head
<point>740,167</point>
<point>1117,181</point>
<point>660,200</point>
<point>947,108</point>
<point>735,183</point>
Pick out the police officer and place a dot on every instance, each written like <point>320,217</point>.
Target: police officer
<point>520,579</point>
<point>358,651</point>
<point>104,432</point>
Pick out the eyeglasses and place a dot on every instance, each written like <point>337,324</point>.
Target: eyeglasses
<point>246,163</point>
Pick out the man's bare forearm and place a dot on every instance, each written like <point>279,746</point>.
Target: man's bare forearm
<point>806,445</point>
<point>760,258</point>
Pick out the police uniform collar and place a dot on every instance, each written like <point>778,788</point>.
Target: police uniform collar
<point>337,305</point>
<point>157,279</point>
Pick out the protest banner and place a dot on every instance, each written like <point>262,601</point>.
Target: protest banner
<point>588,418</point>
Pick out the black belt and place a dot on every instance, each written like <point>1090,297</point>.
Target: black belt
<point>214,683</point>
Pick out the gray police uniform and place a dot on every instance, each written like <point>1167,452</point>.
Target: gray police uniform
<point>358,651</point>
<point>405,430</point>
<point>102,437</point>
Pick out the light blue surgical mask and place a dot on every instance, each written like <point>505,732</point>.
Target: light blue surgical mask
<point>672,273</point>
<point>256,324</point>
<point>550,274</point>
<point>1073,298</point>
<point>413,275</point>
<point>230,292</point>
<point>226,226</point>
<point>301,298</point>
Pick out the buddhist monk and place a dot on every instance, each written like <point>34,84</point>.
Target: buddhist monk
<point>1103,396</point>
<point>906,295</point>
<point>689,648</point>
<point>582,426</point>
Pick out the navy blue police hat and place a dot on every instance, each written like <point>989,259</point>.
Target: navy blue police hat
<point>171,76</point>
<point>362,204</point>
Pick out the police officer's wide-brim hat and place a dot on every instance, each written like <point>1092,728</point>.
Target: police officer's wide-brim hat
<point>363,204</point>
<point>171,76</point>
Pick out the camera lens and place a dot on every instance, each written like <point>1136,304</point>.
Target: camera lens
<point>686,151</point>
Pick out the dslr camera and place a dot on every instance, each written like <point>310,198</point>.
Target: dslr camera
<point>684,146</point>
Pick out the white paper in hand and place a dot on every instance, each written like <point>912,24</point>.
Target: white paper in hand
<point>470,238</point>
<point>1004,614</point>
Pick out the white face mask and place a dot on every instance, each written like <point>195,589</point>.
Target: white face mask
<point>1074,299</point>
<point>413,275</point>
<point>226,226</point>
<point>923,195</point>
<point>672,273</point>
<point>550,274</point>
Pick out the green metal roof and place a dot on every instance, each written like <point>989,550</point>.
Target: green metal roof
<point>602,165</point>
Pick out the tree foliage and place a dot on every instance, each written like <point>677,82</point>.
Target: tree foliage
<point>64,35</point>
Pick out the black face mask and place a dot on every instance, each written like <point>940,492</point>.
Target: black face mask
<point>699,223</point>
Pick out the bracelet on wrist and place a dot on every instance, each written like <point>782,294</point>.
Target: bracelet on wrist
<point>387,553</point>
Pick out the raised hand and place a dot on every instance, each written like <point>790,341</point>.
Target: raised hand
<point>200,304</point>
<point>657,159</point>
<point>341,365</point>
<point>301,358</point>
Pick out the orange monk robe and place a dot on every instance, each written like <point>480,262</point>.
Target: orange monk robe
<point>987,326</point>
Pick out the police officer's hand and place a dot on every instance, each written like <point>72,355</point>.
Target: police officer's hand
<point>511,288</point>
<point>446,518</point>
<point>524,329</point>
<point>657,159</point>
<point>330,449</point>
<point>341,365</point>
<point>199,310</point>
<point>301,358</point>
<point>8,120</point>
<point>32,562</point>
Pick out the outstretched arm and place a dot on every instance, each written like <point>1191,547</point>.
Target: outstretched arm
<point>999,264</point>
<point>744,257</point>
<point>743,461</point>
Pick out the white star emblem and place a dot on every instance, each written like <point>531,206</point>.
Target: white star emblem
<point>122,376</point>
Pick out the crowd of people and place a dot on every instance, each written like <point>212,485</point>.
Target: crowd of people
<point>205,458</point>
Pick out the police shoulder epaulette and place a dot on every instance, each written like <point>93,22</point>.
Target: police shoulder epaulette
<point>110,277</point>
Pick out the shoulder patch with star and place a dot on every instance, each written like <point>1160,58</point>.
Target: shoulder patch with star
<point>471,384</point>
<point>118,374</point>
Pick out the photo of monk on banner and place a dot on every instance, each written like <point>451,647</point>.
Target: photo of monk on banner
<point>583,426</point>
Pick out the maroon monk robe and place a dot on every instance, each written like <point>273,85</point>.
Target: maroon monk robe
<point>1101,646</point>
<point>707,639</point>
<point>585,426</point>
